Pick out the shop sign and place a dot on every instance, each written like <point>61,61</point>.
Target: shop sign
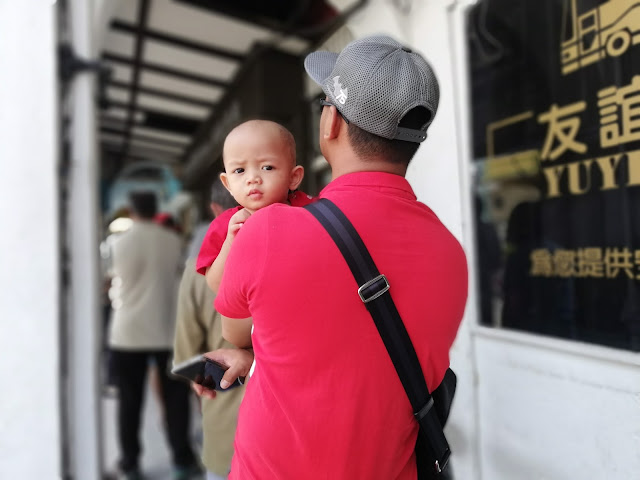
<point>555,101</point>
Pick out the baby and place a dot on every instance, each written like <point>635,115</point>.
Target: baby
<point>260,169</point>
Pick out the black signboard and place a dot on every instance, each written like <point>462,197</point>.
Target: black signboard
<point>555,92</point>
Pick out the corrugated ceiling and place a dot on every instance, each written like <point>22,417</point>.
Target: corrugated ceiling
<point>173,61</point>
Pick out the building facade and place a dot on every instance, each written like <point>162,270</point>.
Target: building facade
<point>531,162</point>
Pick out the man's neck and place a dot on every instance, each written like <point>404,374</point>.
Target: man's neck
<point>368,166</point>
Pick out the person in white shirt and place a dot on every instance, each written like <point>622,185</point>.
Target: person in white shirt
<point>146,265</point>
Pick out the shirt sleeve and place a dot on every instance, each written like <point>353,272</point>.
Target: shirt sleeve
<point>244,267</point>
<point>213,240</point>
<point>299,199</point>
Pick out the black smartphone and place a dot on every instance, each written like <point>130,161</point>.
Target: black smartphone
<point>204,371</point>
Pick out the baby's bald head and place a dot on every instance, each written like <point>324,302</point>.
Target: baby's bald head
<point>275,133</point>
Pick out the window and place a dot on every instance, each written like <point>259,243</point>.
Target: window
<point>556,153</point>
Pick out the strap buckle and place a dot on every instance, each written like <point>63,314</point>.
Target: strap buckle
<point>373,288</point>
<point>445,461</point>
<point>424,410</point>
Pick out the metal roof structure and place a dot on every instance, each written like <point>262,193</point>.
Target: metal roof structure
<point>171,62</point>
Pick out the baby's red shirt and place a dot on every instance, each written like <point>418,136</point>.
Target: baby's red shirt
<point>217,232</point>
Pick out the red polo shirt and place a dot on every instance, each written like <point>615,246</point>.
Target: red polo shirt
<point>325,401</point>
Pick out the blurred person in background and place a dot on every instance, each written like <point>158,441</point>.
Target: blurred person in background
<point>166,220</point>
<point>199,330</point>
<point>118,225</point>
<point>146,262</point>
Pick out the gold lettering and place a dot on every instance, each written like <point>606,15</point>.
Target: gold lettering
<point>575,182</point>
<point>574,177</point>
<point>564,124</point>
<point>541,263</point>
<point>590,262</point>
<point>618,259</point>
<point>633,159</point>
<point>608,170</point>
<point>620,114</point>
<point>564,263</point>
<point>552,174</point>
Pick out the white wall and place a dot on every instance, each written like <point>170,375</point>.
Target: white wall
<point>83,316</point>
<point>30,442</point>
<point>435,175</point>
<point>556,410</point>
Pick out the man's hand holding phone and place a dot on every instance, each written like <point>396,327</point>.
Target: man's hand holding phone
<point>238,360</point>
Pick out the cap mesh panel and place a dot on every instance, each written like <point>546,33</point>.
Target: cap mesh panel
<point>381,80</point>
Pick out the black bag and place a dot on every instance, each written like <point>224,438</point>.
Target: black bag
<point>442,399</point>
<point>431,410</point>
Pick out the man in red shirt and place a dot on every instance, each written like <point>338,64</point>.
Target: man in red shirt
<point>325,401</point>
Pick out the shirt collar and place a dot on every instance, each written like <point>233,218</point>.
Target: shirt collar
<point>380,181</point>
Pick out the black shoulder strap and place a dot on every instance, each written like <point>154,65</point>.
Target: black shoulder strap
<point>374,294</point>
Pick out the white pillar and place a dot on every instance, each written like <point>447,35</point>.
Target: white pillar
<point>84,320</point>
<point>30,421</point>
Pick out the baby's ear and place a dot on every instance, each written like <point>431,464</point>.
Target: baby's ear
<point>295,178</point>
<point>225,182</point>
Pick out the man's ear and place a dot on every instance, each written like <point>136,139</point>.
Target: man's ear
<point>333,123</point>
<point>296,177</point>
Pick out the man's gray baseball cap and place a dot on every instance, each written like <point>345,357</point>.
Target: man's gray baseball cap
<point>374,82</point>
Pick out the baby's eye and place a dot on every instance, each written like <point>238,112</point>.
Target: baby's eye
<point>267,167</point>
<point>238,170</point>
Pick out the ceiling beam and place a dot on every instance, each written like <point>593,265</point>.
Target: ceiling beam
<point>143,17</point>
<point>182,42</point>
<point>136,158</point>
<point>111,120</point>
<point>110,145</point>
<point>152,111</point>
<point>144,138</point>
<point>278,16</point>
<point>154,67</point>
<point>163,94</point>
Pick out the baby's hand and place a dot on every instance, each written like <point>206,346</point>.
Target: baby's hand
<point>236,222</point>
